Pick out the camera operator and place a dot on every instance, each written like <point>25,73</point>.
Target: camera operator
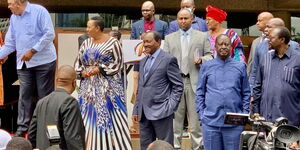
<point>222,87</point>
<point>277,88</point>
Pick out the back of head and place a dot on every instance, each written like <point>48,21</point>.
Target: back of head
<point>19,143</point>
<point>116,34</point>
<point>160,145</point>
<point>65,75</point>
<point>5,138</point>
<point>277,22</point>
<point>283,32</point>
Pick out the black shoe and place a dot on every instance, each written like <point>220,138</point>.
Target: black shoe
<point>20,134</point>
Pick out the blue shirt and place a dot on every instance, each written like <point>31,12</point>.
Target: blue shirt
<point>222,87</point>
<point>188,34</point>
<point>197,24</point>
<point>277,87</point>
<point>31,30</point>
<point>154,56</point>
<point>261,50</point>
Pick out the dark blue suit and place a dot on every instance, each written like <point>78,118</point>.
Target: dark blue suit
<point>158,98</point>
<point>138,28</point>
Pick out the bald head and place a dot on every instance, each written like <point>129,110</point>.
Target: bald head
<point>148,4</point>
<point>188,4</point>
<point>262,20</point>
<point>66,75</point>
<point>185,11</point>
<point>273,23</point>
<point>278,22</point>
<point>148,10</point>
<point>266,15</point>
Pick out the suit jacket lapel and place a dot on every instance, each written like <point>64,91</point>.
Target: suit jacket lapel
<point>156,25</point>
<point>140,28</point>
<point>177,42</point>
<point>142,63</point>
<point>192,39</point>
<point>154,66</point>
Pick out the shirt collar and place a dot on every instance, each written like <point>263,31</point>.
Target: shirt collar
<point>229,59</point>
<point>27,9</point>
<point>287,53</point>
<point>188,31</point>
<point>155,54</point>
<point>146,21</point>
<point>195,19</point>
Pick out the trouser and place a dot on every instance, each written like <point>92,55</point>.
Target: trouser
<point>161,129</point>
<point>34,82</point>
<point>187,103</point>
<point>221,138</point>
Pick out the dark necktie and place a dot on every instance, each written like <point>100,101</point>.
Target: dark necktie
<point>148,65</point>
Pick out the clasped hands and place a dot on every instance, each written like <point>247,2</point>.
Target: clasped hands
<point>90,71</point>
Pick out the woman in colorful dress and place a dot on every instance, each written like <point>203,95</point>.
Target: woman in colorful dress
<point>214,19</point>
<point>101,95</point>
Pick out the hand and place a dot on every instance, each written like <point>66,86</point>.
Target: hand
<point>198,61</point>
<point>94,70</point>
<point>2,61</point>
<point>294,146</point>
<point>85,74</point>
<point>134,118</point>
<point>28,55</point>
<point>255,116</point>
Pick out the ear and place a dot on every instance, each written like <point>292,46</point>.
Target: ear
<point>282,39</point>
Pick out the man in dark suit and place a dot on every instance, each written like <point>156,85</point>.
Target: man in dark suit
<point>148,23</point>
<point>159,90</point>
<point>61,109</point>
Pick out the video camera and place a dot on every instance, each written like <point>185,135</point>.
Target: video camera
<point>264,135</point>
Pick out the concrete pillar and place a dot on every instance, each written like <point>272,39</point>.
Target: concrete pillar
<point>285,16</point>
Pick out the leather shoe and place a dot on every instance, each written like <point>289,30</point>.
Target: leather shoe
<point>20,134</point>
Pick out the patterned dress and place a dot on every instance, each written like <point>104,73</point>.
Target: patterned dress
<point>101,97</point>
<point>237,51</point>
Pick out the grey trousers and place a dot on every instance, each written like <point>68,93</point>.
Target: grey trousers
<point>161,129</point>
<point>36,82</point>
<point>187,104</point>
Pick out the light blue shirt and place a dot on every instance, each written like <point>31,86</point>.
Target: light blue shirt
<point>189,31</point>
<point>31,30</point>
<point>154,56</point>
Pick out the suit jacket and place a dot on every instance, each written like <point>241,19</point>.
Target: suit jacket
<point>159,94</point>
<point>138,28</point>
<point>61,109</point>
<point>198,40</point>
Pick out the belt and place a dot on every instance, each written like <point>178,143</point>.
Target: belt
<point>185,75</point>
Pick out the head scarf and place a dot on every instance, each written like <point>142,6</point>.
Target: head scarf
<point>216,13</point>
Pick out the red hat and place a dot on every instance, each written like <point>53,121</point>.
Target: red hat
<point>216,13</point>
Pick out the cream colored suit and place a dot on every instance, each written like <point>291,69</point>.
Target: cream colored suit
<point>198,42</point>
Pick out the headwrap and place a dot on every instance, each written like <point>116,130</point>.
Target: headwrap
<point>216,13</point>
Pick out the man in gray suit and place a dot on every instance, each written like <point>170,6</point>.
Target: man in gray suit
<point>191,48</point>
<point>159,90</point>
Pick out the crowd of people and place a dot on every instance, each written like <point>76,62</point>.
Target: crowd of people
<point>201,72</point>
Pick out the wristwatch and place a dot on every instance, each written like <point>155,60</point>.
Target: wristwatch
<point>33,51</point>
